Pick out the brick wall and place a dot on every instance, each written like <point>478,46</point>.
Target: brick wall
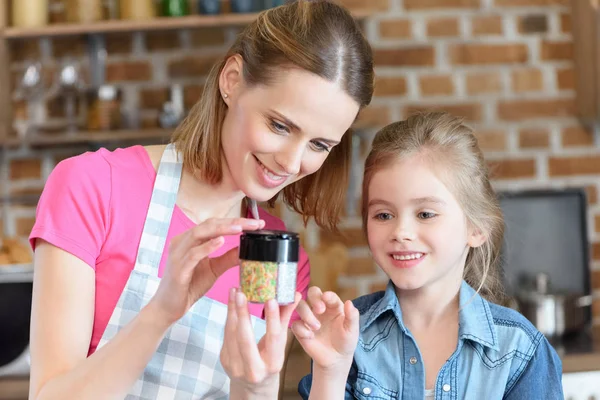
<point>506,65</point>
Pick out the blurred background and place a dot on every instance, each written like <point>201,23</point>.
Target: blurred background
<point>77,75</point>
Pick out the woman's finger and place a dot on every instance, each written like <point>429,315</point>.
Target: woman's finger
<point>230,352</point>
<point>200,252</point>
<point>274,341</point>
<point>224,262</point>
<point>215,227</point>
<point>314,298</point>
<point>250,356</point>
<point>306,314</point>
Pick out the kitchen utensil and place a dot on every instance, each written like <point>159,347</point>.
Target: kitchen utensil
<point>553,313</point>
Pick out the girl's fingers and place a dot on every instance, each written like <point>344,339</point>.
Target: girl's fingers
<point>314,298</point>
<point>306,314</point>
<point>301,331</point>
<point>287,310</point>
<point>333,302</point>
<point>352,316</point>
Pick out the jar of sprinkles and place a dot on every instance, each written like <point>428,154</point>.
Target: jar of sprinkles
<point>268,265</point>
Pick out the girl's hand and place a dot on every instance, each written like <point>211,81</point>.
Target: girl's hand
<point>328,331</point>
<point>189,273</point>
<point>254,368</point>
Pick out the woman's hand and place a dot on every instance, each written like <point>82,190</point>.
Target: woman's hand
<point>189,272</point>
<point>254,368</point>
<point>328,331</point>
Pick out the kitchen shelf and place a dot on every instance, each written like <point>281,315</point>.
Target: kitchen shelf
<point>82,137</point>
<point>156,24</point>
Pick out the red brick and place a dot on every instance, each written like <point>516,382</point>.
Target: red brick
<point>191,66</point>
<point>591,192</point>
<point>72,46</point>
<point>375,5</point>
<point>129,71</point>
<point>440,27</point>
<point>55,107</point>
<point>25,168</point>
<point>576,136</point>
<point>150,121</point>
<point>565,23</point>
<point>351,237</point>
<point>596,274</point>
<point>469,54</point>
<point>436,4</point>
<point>390,86</point>
<point>527,80</point>
<point>491,139</point>
<point>524,109</point>
<point>487,25</point>
<point>361,266</point>
<point>565,78</point>
<point>533,24</point>
<point>191,95</point>
<point>596,308</point>
<point>24,226</point>
<point>24,49</point>
<point>470,111</point>
<point>162,40</point>
<point>530,3</point>
<point>435,85</point>
<point>208,37</point>
<point>153,98</point>
<point>512,169</point>
<point>405,57</point>
<point>395,29</point>
<point>555,51</point>
<point>374,116</point>
<point>484,82</point>
<point>537,138</point>
<point>119,43</point>
<point>567,166</point>
<point>596,251</point>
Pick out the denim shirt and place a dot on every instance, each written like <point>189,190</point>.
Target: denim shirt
<point>499,355</point>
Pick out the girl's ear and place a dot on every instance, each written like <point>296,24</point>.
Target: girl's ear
<point>476,238</point>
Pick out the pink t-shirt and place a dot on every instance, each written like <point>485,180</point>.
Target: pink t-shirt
<point>94,206</point>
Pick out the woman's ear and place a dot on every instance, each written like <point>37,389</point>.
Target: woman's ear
<point>231,77</point>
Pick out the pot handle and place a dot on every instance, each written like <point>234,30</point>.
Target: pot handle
<point>585,301</point>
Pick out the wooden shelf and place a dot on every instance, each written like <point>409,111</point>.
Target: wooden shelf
<point>160,23</point>
<point>82,137</point>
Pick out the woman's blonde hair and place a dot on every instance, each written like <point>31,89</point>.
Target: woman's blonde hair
<point>317,36</point>
<point>445,141</point>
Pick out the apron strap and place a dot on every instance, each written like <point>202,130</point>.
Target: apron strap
<point>160,211</point>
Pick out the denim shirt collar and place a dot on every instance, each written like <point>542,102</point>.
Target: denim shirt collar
<point>475,317</point>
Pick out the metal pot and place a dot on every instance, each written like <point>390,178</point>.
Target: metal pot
<point>553,314</point>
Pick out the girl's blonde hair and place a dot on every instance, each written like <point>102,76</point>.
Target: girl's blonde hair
<point>445,141</point>
<point>317,36</point>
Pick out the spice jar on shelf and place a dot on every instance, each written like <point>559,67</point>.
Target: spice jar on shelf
<point>83,11</point>
<point>137,9</point>
<point>29,13</point>
<point>104,108</point>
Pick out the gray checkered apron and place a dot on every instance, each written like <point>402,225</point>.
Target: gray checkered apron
<point>186,364</point>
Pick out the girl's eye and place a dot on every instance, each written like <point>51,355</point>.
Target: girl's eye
<point>383,216</point>
<point>279,128</point>
<point>320,147</point>
<point>426,215</point>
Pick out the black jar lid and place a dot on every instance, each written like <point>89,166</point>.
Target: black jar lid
<point>269,245</point>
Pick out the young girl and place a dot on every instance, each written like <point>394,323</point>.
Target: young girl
<point>435,228</point>
<point>272,120</point>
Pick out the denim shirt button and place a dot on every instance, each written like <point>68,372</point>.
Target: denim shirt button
<point>446,388</point>
<point>413,360</point>
<point>367,391</point>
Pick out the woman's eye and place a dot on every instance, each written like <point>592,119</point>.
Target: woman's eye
<point>320,147</point>
<point>279,128</point>
<point>383,216</point>
<point>426,215</point>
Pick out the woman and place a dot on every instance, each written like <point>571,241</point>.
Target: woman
<point>272,120</point>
